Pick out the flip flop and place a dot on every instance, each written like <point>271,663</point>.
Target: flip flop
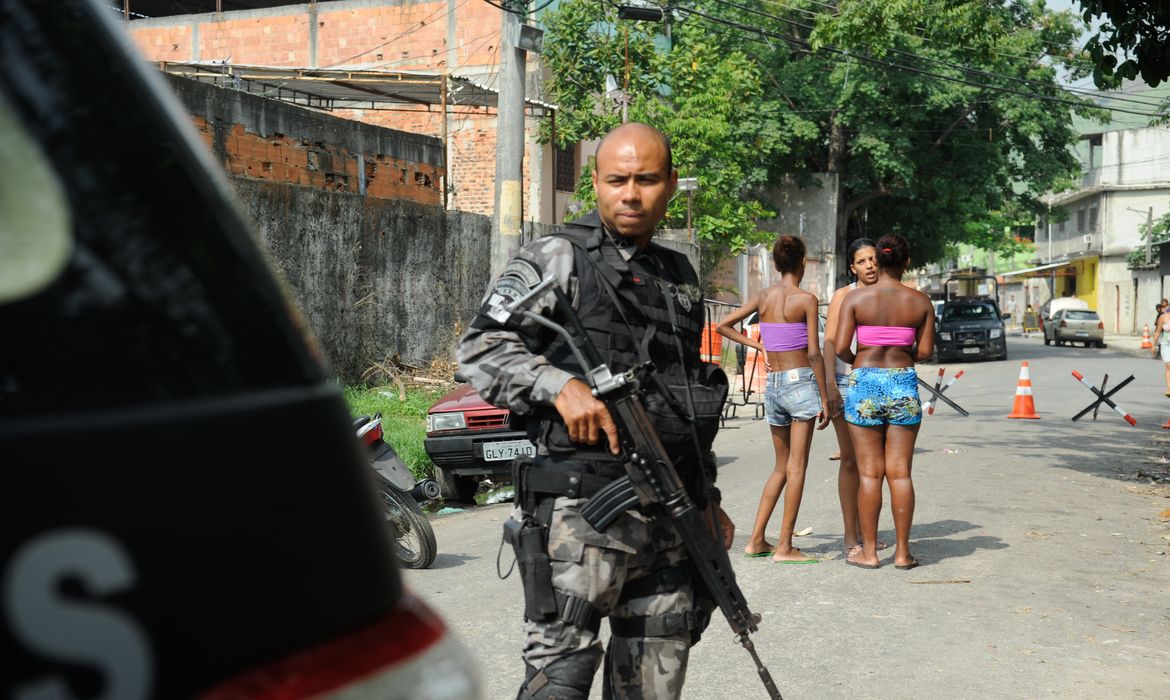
<point>913,563</point>
<point>835,456</point>
<point>795,561</point>
<point>862,566</point>
<point>757,555</point>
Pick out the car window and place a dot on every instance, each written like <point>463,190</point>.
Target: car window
<point>1077,315</point>
<point>968,312</point>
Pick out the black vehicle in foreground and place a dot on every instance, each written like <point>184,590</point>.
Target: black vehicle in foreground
<point>970,328</point>
<point>162,536</point>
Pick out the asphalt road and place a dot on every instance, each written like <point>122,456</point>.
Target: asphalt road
<point>1044,554</point>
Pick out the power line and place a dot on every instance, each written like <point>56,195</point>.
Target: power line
<point>805,47</point>
<point>967,69</point>
<point>813,13</point>
<point>422,23</point>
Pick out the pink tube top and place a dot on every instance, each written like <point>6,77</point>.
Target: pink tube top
<point>779,337</point>
<point>886,335</point>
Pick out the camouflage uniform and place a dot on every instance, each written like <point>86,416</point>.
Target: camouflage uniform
<point>635,571</point>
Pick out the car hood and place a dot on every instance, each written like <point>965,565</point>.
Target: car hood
<point>464,398</point>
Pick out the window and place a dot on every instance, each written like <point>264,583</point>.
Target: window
<point>1094,150</point>
<point>565,169</point>
<point>1080,219</point>
<point>968,312</point>
<point>1093,212</point>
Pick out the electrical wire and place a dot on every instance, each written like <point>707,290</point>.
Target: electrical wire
<point>814,14</point>
<point>805,47</point>
<point>422,23</point>
<point>966,69</point>
<point>526,11</point>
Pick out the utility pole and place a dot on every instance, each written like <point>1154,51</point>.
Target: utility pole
<point>509,195</point>
<point>1150,236</point>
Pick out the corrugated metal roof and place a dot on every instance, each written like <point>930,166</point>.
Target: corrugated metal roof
<point>331,89</point>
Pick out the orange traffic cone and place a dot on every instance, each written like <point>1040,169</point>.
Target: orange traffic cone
<point>1146,344</point>
<point>1166,424</point>
<point>1023,406</point>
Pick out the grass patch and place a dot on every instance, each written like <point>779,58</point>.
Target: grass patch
<point>404,421</point>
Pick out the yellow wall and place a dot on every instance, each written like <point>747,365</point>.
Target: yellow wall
<point>1086,282</point>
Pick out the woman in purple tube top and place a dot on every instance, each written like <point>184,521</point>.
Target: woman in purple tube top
<point>796,382</point>
<point>895,327</point>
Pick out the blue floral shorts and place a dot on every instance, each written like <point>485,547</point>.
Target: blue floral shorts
<point>791,395</point>
<point>883,395</point>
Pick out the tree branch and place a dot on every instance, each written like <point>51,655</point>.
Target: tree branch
<point>853,204</point>
<point>943,137</point>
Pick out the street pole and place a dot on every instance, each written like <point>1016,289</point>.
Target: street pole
<point>1150,236</point>
<point>509,193</point>
<point>1052,292</point>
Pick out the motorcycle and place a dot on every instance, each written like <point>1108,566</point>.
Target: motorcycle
<point>414,539</point>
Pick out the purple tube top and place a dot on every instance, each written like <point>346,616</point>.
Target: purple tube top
<point>780,337</point>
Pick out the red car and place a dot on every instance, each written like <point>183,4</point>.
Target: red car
<point>468,438</point>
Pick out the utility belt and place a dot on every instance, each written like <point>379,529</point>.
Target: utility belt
<point>607,499</point>
<point>536,492</point>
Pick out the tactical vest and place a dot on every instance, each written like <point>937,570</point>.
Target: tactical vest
<point>638,326</point>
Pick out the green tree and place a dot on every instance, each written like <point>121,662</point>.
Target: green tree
<point>932,115</point>
<point>1153,234</point>
<point>1138,30</point>
<point>707,99</point>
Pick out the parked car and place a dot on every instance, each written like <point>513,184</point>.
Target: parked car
<point>186,511</point>
<point>467,439</point>
<point>970,328</point>
<point>1050,309</point>
<point>1075,326</point>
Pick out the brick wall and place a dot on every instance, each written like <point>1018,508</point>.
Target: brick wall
<point>395,35</point>
<point>377,272</point>
<point>260,138</point>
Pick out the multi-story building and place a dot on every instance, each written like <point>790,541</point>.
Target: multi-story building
<point>1084,243</point>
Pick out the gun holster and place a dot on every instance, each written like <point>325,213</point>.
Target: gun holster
<point>529,539</point>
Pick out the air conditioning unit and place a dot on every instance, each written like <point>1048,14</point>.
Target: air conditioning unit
<point>1088,239</point>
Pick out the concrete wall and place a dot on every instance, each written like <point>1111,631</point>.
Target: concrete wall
<point>351,215</point>
<point>811,213</point>
<point>373,278</point>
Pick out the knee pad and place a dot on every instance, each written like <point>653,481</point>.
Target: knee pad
<point>567,678</point>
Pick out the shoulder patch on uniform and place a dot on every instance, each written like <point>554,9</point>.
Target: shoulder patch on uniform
<point>518,278</point>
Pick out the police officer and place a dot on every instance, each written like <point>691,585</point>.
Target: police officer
<point>639,301</point>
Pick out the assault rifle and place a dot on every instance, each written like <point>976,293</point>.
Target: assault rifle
<point>652,478</point>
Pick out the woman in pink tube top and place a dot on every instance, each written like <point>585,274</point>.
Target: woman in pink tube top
<point>895,327</point>
<point>862,257</point>
<point>796,382</point>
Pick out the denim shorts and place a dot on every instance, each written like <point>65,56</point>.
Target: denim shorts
<point>843,385</point>
<point>791,395</point>
<point>883,396</point>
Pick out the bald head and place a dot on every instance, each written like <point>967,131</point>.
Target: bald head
<point>634,181</point>
<point>640,130</point>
